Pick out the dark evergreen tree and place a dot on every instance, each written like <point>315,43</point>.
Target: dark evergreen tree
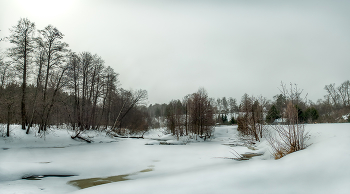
<point>280,103</point>
<point>272,115</point>
<point>311,114</point>
<point>233,121</point>
<point>302,117</point>
<point>314,114</point>
<point>224,118</point>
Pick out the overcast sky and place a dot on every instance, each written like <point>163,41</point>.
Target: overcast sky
<point>171,48</point>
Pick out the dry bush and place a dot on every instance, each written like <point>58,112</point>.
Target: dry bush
<point>290,137</point>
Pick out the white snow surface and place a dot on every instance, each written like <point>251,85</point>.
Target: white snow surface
<point>189,166</point>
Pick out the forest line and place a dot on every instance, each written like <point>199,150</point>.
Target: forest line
<point>44,83</point>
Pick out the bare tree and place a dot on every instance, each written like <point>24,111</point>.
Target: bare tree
<point>58,82</point>
<point>22,36</point>
<point>260,109</point>
<point>175,119</point>
<point>109,88</point>
<point>201,114</point>
<point>293,94</point>
<point>39,60</point>
<point>336,103</point>
<point>9,102</point>
<point>95,92</point>
<point>251,119</point>
<point>243,119</point>
<point>186,102</point>
<point>74,77</point>
<point>344,93</point>
<point>54,53</point>
<point>129,100</point>
<point>9,105</point>
<point>8,92</point>
<point>332,94</point>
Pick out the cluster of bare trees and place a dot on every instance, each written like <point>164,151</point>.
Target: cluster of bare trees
<point>132,117</point>
<point>251,118</point>
<point>194,115</point>
<point>339,96</point>
<point>288,136</point>
<point>335,104</point>
<point>225,111</point>
<point>43,83</point>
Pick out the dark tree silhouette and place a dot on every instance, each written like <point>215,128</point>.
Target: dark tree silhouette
<point>22,36</point>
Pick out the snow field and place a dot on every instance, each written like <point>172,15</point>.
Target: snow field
<point>197,167</point>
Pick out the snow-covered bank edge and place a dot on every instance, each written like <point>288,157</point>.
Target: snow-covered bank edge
<point>197,167</point>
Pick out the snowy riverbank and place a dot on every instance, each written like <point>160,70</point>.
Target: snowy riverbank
<point>196,167</point>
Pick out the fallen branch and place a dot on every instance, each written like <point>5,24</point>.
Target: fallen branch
<point>82,138</point>
<point>113,134</point>
<point>238,159</point>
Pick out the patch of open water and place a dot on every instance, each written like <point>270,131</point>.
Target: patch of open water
<point>90,182</point>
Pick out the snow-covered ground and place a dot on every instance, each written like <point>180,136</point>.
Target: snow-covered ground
<point>189,166</point>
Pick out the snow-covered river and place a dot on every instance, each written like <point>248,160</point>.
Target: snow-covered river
<point>144,166</point>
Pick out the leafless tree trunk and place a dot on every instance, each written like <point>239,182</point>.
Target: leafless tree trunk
<point>22,37</point>
<point>40,61</point>
<point>54,51</point>
<point>58,86</point>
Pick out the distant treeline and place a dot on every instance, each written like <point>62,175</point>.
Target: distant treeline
<point>257,110</point>
<point>43,83</point>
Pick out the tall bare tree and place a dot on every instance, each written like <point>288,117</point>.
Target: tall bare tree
<point>201,114</point>
<point>175,120</point>
<point>54,51</point>
<point>109,88</point>
<point>39,60</point>
<point>22,37</point>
